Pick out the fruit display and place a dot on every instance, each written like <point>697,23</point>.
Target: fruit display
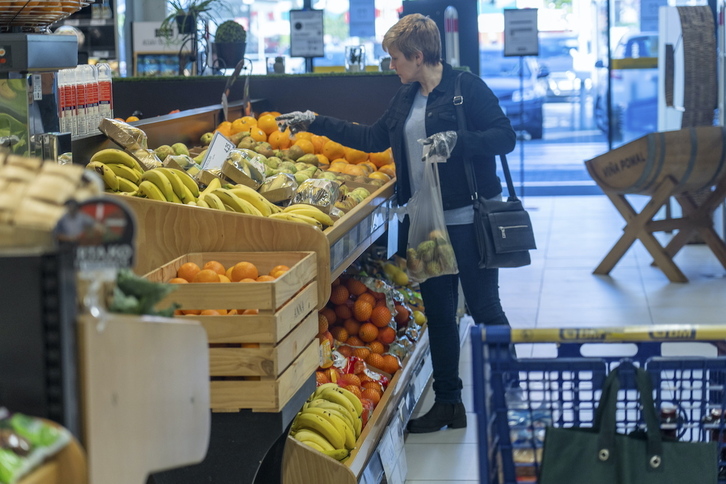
<point>330,421</point>
<point>432,257</point>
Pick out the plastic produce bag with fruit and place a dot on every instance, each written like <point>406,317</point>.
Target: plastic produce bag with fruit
<point>317,192</point>
<point>429,252</point>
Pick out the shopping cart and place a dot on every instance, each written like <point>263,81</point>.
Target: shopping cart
<point>516,398</point>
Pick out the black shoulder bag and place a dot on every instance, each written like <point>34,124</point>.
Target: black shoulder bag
<point>503,229</point>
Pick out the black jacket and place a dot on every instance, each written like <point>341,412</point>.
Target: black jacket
<point>489,133</point>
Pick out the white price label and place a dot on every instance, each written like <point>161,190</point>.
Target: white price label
<point>217,152</point>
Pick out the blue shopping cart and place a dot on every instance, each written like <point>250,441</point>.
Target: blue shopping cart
<point>516,398</point>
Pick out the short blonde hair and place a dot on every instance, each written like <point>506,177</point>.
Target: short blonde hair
<point>415,33</point>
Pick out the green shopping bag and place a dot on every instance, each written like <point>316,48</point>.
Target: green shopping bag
<point>599,455</point>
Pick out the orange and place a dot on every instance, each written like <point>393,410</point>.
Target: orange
<point>223,278</point>
<point>372,385</point>
<point>355,390</point>
<point>360,352</point>
<point>368,332</point>
<point>327,335</point>
<point>245,123</point>
<point>345,350</point>
<point>280,267</point>
<point>355,287</point>
<point>304,135</point>
<point>378,175</point>
<point>355,170</point>
<point>339,333</point>
<point>210,312</point>
<point>367,296</point>
<point>381,316</point>
<point>215,266</point>
<point>178,280</point>
<point>244,270</point>
<point>228,272</point>
<point>351,326</point>
<point>251,311</point>
<point>318,143</point>
<point>194,312</point>
<point>248,279</point>
<point>187,271</point>
<point>329,314</point>
<point>390,364</point>
<point>372,395</point>
<point>322,160</point>
<point>225,127</point>
<point>382,158</point>
<point>386,335</point>
<point>376,347</point>
<point>323,323</point>
<point>321,378</point>
<point>402,314</point>
<point>355,156</point>
<point>378,295</point>
<point>267,124</point>
<point>389,170</point>
<point>232,312</point>
<point>257,134</point>
<point>343,312</point>
<point>362,310</point>
<point>339,294</point>
<point>381,302</point>
<point>355,341</point>
<point>368,166</point>
<point>206,275</point>
<point>131,119</point>
<point>376,360</point>
<point>306,145</point>
<point>265,278</point>
<point>333,150</point>
<point>279,140</point>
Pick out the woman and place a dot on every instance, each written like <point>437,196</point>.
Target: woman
<point>423,109</point>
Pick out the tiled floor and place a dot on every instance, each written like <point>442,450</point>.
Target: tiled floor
<point>559,289</point>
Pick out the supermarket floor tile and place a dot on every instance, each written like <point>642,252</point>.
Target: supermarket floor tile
<point>559,289</point>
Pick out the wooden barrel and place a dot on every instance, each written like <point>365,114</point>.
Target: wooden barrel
<point>694,157</point>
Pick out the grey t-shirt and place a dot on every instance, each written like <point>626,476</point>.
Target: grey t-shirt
<point>414,130</point>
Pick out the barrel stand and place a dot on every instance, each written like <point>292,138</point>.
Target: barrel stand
<point>640,226</point>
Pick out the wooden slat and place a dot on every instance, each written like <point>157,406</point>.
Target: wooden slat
<point>266,396</point>
<point>267,360</point>
<point>265,327</point>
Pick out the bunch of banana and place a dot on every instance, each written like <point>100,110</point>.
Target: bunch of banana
<point>330,421</point>
<point>263,205</point>
<point>309,211</point>
<point>169,185</point>
<point>296,217</point>
<point>119,170</point>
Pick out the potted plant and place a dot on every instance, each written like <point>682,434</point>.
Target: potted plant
<point>230,41</point>
<point>186,14</point>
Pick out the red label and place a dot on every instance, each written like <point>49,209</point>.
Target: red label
<point>104,93</point>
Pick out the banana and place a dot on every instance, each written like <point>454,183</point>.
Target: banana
<point>151,191</point>
<point>123,171</point>
<point>351,398</point>
<point>109,177</point>
<point>295,217</point>
<point>126,185</point>
<point>237,204</point>
<point>319,390</point>
<point>162,182</point>
<point>310,211</point>
<point>325,427</point>
<point>112,155</point>
<point>339,420</point>
<point>353,420</point>
<point>179,188</point>
<point>309,435</point>
<point>337,396</point>
<point>337,454</point>
<point>187,180</point>
<point>202,203</point>
<point>213,201</point>
<point>315,446</point>
<point>214,184</point>
<point>254,198</point>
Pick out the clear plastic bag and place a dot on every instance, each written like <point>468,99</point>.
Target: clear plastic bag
<point>429,252</point>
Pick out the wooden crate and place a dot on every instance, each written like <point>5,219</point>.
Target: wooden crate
<point>264,375</point>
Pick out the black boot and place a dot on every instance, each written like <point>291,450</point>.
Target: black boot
<point>441,415</point>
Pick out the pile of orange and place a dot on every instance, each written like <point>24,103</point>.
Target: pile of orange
<point>331,155</point>
<point>214,271</point>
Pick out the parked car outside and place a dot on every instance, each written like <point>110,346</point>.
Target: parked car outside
<point>634,85</point>
<point>556,52</point>
<point>522,105</point>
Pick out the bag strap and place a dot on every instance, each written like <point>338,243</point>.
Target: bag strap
<point>605,416</point>
<point>468,164</point>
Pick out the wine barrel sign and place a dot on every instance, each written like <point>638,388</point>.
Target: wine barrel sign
<point>694,157</point>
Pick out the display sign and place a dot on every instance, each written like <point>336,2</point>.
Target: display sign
<point>101,230</point>
<point>148,38</point>
<point>362,18</point>
<point>520,32</point>
<point>218,150</point>
<point>306,33</point>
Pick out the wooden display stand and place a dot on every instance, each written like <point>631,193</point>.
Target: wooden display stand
<point>664,165</point>
<point>145,395</point>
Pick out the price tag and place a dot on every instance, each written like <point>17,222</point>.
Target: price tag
<point>37,87</point>
<point>387,453</point>
<point>217,152</point>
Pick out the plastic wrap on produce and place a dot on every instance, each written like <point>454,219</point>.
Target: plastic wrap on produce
<point>250,165</point>
<point>129,137</point>
<point>318,192</point>
<point>279,181</point>
<point>147,158</point>
<point>181,161</point>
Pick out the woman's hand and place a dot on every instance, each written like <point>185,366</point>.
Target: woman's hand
<point>296,121</point>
